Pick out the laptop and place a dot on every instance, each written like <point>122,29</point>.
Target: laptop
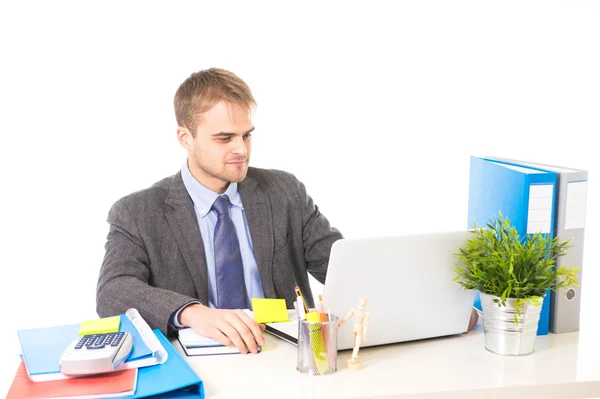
<point>409,285</point>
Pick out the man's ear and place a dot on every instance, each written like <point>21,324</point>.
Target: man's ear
<point>184,137</point>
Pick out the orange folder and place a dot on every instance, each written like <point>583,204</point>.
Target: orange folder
<point>119,383</point>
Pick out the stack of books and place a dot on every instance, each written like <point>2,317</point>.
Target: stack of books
<point>152,369</point>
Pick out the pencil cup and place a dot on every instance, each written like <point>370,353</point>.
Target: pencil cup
<point>317,346</point>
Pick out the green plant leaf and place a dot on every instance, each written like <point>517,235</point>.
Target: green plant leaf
<point>495,260</point>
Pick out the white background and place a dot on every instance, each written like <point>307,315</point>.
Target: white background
<point>375,106</point>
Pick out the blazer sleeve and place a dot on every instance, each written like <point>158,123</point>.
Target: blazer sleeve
<point>317,234</point>
<point>124,277</point>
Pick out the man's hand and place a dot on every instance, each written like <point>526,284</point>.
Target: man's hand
<point>473,320</point>
<point>229,327</point>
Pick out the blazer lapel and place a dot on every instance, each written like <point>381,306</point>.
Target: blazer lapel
<point>184,225</point>
<point>260,221</point>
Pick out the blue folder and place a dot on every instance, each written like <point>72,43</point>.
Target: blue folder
<point>42,348</point>
<point>499,187</point>
<point>172,379</point>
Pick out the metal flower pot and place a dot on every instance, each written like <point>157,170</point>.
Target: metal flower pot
<point>502,334</point>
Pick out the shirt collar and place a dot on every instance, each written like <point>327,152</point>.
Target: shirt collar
<point>204,197</point>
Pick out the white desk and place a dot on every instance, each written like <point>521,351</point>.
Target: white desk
<point>562,366</point>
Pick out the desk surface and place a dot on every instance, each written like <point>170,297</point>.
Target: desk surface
<point>562,366</point>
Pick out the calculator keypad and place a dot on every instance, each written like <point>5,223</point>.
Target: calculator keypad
<point>99,341</point>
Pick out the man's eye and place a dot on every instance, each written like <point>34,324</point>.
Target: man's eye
<point>223,139</point>
<point>247,135</point>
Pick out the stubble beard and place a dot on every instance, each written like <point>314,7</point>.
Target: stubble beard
<point>222,174</point>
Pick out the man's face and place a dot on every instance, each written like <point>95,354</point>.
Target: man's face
<point>220,152</point>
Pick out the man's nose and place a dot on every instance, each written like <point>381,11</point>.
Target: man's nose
<point>239,146</point>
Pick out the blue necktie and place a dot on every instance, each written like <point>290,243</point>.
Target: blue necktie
<point>231,287</point>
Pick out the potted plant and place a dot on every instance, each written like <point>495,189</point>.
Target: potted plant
<point>512,274</point>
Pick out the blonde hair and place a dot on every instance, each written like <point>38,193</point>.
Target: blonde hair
<point>203,89</point>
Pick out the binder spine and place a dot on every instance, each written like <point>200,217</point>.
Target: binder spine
<point>543,218</point>
<point>565,305</point>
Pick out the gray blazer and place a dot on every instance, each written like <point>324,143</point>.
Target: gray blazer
<point>155,260</point>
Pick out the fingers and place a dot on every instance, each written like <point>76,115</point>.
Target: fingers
<point>255,329</point>
<point>474,319</point>
<point>231,333</point>
<point>240,334</point>
<point>247,329</point>
<point>231,327</point>
<point>222,338</point>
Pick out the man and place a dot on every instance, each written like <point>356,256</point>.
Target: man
<point>195,247</point>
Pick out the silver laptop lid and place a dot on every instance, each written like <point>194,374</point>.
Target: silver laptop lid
<point>408,282</point>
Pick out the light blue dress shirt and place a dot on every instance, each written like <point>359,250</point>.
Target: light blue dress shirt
<point>203,199</point>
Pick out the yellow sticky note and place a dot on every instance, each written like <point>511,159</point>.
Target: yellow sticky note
<point>99,326</point>
<point>313,316</point>
<point>269,310</point>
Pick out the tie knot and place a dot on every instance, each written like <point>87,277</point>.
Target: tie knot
<point>221,205</point>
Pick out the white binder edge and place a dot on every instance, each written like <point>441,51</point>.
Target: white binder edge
<point>159,354</point>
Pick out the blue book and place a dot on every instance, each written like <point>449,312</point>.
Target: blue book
<point>526,196</point>
<point>42,348</point>
<point>172,379</point>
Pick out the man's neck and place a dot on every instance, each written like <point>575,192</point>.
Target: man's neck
<point>212,183</point>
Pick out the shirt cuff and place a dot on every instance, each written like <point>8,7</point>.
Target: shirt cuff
<point>175,317</point>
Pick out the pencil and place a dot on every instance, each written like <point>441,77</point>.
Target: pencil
<point>299,294</point>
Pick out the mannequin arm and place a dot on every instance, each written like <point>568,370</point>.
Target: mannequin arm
<point>345,319</point>
<point>366,327</point>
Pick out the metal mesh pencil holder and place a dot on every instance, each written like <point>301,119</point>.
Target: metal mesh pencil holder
<point>317,346</point>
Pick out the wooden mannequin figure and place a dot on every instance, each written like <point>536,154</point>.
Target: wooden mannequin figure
<point>361,327</point>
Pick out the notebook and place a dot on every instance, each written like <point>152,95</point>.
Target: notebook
<point>194,344</point>
<point>42,348</point>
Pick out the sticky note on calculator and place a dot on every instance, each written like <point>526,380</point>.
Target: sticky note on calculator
<point>269,310</point>
<point>100,326</point>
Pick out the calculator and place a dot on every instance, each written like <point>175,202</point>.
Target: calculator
<point>96,353</point>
